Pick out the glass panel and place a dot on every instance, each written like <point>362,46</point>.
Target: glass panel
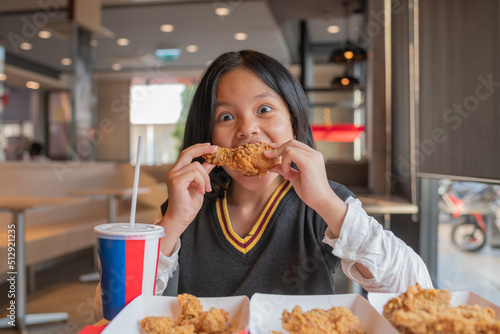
<point>469,238</point>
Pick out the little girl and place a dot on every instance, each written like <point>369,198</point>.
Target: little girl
<point>285,232</point>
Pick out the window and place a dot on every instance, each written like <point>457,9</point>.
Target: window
<point>155,114</point>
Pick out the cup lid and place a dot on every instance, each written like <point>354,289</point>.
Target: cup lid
<point>124,231</point>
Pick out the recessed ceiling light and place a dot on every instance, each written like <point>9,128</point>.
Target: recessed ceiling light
<point>122,41</point>
<point>26,46</point>
<point>94,43</point>
<point>222,11</point>
<point>66,61</point>
<point>3,77</point>
<point>333,29</point>
<point>116,67</point>
<point>191,48</point>
<point>167,28</point>
<point>44,34</point>
<point>32,85</point>
<point>241,36</point>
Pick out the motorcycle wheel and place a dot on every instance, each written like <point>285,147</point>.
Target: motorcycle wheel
<point>468,236</point>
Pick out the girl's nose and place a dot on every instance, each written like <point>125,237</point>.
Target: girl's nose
<point>247,127</point>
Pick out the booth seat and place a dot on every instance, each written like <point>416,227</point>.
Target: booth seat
<point>62,230</point>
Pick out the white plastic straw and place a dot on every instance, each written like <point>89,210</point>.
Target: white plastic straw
<point>136,183</point>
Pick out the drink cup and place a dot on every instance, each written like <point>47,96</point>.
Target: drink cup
<point>128,259</point>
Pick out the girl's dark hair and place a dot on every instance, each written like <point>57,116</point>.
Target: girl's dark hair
<point>200,119</point>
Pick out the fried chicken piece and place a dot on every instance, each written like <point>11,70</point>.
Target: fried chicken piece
<point>190,307</point>
<point>157,325</point>
<point>417,298</point>
<point>213,321</point>
<point>191,320</point>
<point>246,160</point>
<point>337,320</point>
<point>428,311</point>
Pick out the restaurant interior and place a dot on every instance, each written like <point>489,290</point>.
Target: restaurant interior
<point>402,102</point>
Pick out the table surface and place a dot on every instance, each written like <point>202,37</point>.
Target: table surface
<point>109,191</point>
<point>20,203</point>
<point>102,322</point>
<point>380,204</point>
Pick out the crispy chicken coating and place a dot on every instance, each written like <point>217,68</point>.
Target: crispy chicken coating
<point>190,307</point>
<point>248,159</point>
<point>157,325</point>
<point>191,320</point>
<point>337,320</point>
<point>428,311</point>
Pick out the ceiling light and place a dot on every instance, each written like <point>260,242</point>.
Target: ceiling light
<point>333,29</point>
<point>94,43</point>
<point>345,81</point>
<point>348,52</point>
<point>32,85</point>
<point>3,77</point>
<point>26,46</point>
<point>116,67</point>
<point>167,28</point>
<point>191,48</point>
<point>241,36</point>
<point>44,34</point>
<point>222,11</point>
<point>122,41</point>
<point>66,61</point>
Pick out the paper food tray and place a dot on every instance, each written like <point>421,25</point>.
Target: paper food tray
<point>127,321</point>
<point>266,311</point>
<point>378,300</point>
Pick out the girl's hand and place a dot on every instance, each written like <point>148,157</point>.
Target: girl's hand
<point>309,181</point>
<point>187,183</point>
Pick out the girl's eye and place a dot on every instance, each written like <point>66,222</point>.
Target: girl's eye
<point>264,110</point>
<point>225,117</point>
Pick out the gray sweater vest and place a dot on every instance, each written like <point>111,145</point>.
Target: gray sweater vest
<point>284,255</point>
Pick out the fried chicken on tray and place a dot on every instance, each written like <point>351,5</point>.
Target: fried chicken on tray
<point>337,320</point>
<point>191,320</point>
<point>248,159</point>
<point>428,311</point>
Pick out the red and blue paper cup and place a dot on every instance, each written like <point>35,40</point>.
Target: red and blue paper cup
<point>128,263</point>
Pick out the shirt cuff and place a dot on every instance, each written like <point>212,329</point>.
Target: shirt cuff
<point>167,265</point>
<point>351,238</point>
<point>352,233</point>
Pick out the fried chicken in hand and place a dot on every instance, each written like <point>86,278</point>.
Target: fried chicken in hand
<point>248,159</point>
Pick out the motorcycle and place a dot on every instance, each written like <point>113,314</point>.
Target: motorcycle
<point>468,204</point>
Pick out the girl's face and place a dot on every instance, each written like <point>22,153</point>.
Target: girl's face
<point>247,110</point>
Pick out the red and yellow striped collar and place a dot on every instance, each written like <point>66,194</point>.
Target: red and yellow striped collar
<point>246,243</point>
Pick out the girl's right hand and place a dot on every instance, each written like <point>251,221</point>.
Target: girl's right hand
<point>187,183</point>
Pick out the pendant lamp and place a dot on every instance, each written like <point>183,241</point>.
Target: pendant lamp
<point>345,81</point>
<point>348,52</point>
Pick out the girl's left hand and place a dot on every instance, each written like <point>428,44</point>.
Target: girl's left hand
<point>310,180</point>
